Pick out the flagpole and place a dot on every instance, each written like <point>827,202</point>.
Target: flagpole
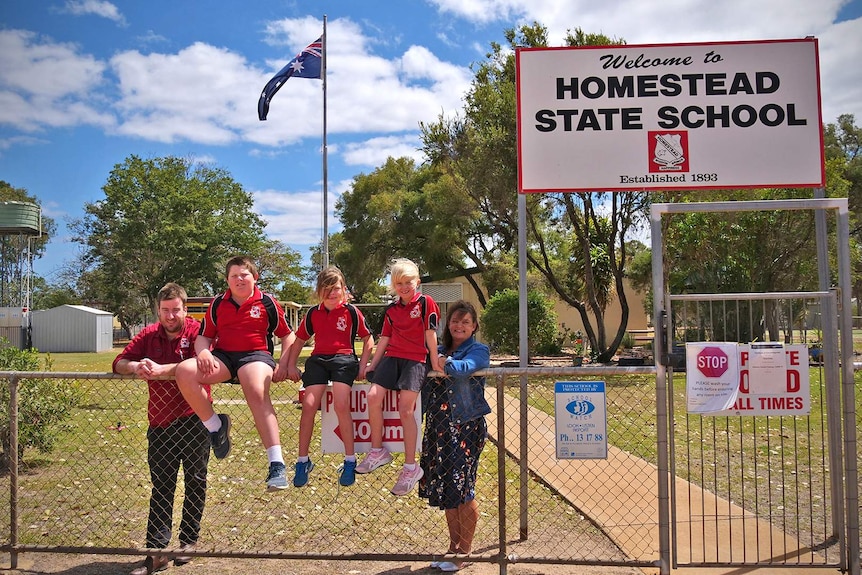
<point>325,247</point>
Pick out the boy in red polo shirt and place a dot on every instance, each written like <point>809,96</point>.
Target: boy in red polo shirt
<point>235,342</point>
<point>401,363</point>
<point>334,323</point>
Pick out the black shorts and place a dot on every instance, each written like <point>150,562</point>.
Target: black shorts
<point>399,374</point>
<point>320,369</point>
<point>234,360</point>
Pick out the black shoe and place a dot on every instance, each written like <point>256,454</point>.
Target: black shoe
<point>221,439</point>
<point>183,559</point>
<point>152,564</point>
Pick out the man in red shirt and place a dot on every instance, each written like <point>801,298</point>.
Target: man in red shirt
<point>235,342</point>
<point>175,435</point>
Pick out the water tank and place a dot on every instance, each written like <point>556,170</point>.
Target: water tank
<point>20,218</point>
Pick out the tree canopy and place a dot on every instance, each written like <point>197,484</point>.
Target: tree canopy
<point>459,211</point>
<point>170,219</point>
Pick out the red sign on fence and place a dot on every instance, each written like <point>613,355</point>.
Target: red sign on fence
<point>712,361</point>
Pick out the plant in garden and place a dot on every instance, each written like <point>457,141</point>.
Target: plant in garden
<point>44,405</point>
<point>500,323</point>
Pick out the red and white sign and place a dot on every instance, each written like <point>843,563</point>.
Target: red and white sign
<point>749,380</point>
<point>669,116</point>
<point>712,376</point>
<point>758,394</point>
<point>393,432</point>
<point>712,361</point>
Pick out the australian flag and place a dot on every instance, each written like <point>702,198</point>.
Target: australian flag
<point>306,64</point>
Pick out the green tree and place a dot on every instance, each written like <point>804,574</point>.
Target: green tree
<point>44,405</point>
<point>500,323</point>
<point>164,219</point>
<point>384,215</point>
<point>281,271</point>
<point>17,251</point>
<point>577,242</point>
<point>740,252</point>
<point>843,150</point>
<point>47,296</point>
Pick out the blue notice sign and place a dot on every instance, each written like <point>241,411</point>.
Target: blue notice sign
<point>580,414</point>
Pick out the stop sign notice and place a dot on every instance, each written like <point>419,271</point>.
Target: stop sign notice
<point>712,361</point>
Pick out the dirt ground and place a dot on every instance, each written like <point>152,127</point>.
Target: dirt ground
<point>61,564</point>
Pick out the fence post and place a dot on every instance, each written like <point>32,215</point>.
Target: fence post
<point>501,471</point>
<point>13,471</point>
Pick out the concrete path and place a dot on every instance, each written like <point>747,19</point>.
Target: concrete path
<point>620,494</point>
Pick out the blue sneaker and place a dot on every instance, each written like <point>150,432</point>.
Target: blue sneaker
<point>221,439</point>
<point>277,478</point>
<point>347,473</point>
<point>301,471</point>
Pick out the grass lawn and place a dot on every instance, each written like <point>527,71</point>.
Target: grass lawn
<point>93,489</point>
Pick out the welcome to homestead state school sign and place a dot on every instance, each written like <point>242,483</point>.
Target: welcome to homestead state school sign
<point>674,116</point>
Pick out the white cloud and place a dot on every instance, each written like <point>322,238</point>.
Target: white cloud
<point>209,95</point>
<point>200,94</point>
<point>150,37</point>
<point>96,7</point>
<point>840,72</point>
<point>375,151</point>
<point>295,218</point>
<point>393,95</point>
<point>46,84</point>
<point>675,21</point>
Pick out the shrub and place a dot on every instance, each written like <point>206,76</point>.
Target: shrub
<point>500,324</point>
<point>44,405</point>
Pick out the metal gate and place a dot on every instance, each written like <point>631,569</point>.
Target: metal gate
<point>760,490</point>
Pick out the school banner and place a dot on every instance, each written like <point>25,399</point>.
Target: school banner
<point>393,432</point>
<point>671,116</point>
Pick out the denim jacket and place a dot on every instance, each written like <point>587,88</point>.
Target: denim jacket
<point>467,394</point>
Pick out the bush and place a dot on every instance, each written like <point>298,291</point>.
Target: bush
<point>44,405</point>
<point>500,324</point>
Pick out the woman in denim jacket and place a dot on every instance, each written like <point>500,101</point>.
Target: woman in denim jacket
<point>455,431</point>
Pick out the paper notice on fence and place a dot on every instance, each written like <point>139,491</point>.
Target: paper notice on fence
<point>767,369</point>
<point>711,376</point>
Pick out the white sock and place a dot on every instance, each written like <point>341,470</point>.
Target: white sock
<point>302,459</point>
<point>213,424</point>
<point>350,457</point>
<point>274,454</point>
<point>409,466</point>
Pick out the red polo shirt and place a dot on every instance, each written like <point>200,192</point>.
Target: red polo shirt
<point>166,403</point>
<point>405,327</point>
<point>332,329</point>
<point>242,327</point>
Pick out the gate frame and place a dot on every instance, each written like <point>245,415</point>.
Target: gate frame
<point>662,299</point>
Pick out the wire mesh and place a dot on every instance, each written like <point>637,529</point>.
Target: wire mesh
<point>759,479</point>
<point>92,489</point>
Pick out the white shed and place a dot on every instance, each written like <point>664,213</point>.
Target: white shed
<point>72,328</point>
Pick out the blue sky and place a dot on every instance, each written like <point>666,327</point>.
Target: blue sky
<point>86,83</point>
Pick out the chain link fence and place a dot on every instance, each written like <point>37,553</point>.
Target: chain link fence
<point>91,492</point>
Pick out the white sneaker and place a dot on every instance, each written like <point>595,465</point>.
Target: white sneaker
<point>407,480</point>
<point>374,459</point>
